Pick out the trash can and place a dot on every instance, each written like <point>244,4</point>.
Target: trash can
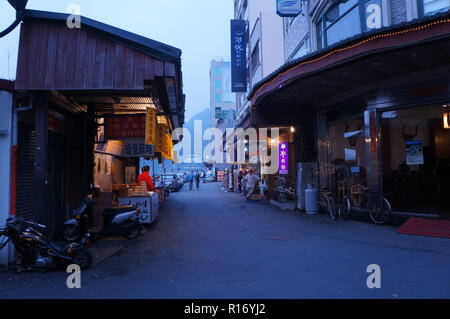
<point>311,200</point>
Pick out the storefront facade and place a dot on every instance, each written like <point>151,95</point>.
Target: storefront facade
<point>72,81</point>
<point>378,103</point>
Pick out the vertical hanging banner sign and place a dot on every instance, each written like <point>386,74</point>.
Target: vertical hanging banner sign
<point>283,158</point>
<point>238,56</point>
<point>150,127</point>
<point>161,130</point>
<point>168,147</point>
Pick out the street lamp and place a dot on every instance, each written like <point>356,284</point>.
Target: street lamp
<point>19,5</point>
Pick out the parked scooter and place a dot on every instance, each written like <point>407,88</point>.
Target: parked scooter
<point>35,252</point>
<point>117,221</point>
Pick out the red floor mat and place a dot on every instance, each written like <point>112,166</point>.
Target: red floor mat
<point>426,227</point>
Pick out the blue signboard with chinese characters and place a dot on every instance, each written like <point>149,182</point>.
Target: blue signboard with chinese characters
<point>289,8</point>
<point>238,56</point>
<point>137,149</point>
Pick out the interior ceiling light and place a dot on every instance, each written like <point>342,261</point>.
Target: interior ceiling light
<point>446,119</point>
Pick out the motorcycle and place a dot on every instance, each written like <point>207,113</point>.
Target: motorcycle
<point>118,221</point>
<point>36,252</point>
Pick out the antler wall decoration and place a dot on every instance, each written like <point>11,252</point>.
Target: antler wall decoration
<point>409,137</point>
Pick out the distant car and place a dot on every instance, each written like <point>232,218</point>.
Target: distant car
<point>181,178</point>
<point>159,183</point>
<point>172,182</point>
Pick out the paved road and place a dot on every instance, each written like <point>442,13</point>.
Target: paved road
<point>211,244</point>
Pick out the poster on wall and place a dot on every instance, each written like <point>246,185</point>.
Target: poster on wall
<point>414,153</point>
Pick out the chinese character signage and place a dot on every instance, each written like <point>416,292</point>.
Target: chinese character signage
<point>150,129</point>
<point>161,130</point>
<point>138,149</point>
<point>289,8</point>
<point>238,56</point>
<point>167,154</point>
<point>283,159</point>
<point>122,127</point>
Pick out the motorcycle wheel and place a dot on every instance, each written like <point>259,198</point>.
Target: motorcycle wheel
<point>72,233</point>
<point>82,257</point>
<point>134,233</point>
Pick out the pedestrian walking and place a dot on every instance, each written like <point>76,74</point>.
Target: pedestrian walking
<point>244,183</point>
<point>197,180</point>
<point>225,180</point>
<point>251,179</point>
<point>204,177</point>
<point>264,190</point>
<point>191,180</point>
<point>240,178</point>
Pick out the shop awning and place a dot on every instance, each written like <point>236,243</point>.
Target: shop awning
<point>357,65</point>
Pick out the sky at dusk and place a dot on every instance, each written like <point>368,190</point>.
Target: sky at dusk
<point>200,28</point>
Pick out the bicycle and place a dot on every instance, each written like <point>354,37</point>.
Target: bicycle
<point>328,203</point>
<point>282,193</point>
<point>361,200</point>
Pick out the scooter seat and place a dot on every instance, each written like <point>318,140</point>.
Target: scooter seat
<point>110,213</point>
<point>59,246</point>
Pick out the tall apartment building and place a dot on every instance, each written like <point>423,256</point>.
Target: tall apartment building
<point>222,100</point>
<point>264,46</point>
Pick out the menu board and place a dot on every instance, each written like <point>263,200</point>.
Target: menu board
<point>123,127</point>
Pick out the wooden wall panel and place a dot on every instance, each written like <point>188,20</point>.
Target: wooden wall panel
<point>91,49</point>
<point>119,70</point>
<point>110,62</point>
<point>139,69</point>
<point>169,69</point>
<point>41,58</point>
<point>159,68</point>
<point>72,58</point>
<point>53,57</point>
<point>99,68</point>
<point>149,68</point>
<point>80,63</point>
<point>129,68</point>
<point>22,59</point>
<point>61,57</point>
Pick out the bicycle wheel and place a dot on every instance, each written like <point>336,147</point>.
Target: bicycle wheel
<point>379,210</point>
<point>345,211</point>
<point>333,209</point>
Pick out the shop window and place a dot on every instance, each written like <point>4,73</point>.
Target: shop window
<point>347,19</point>
<point>416,159</point>
<point>255,57</point>
<point>347,161</point>
<point>217,85</point>
<point>430,7</point>
<point>303,49</point>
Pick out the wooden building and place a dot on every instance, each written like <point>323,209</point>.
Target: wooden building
<point>68,78</point>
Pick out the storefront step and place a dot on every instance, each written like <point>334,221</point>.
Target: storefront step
<point>418,215</point>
